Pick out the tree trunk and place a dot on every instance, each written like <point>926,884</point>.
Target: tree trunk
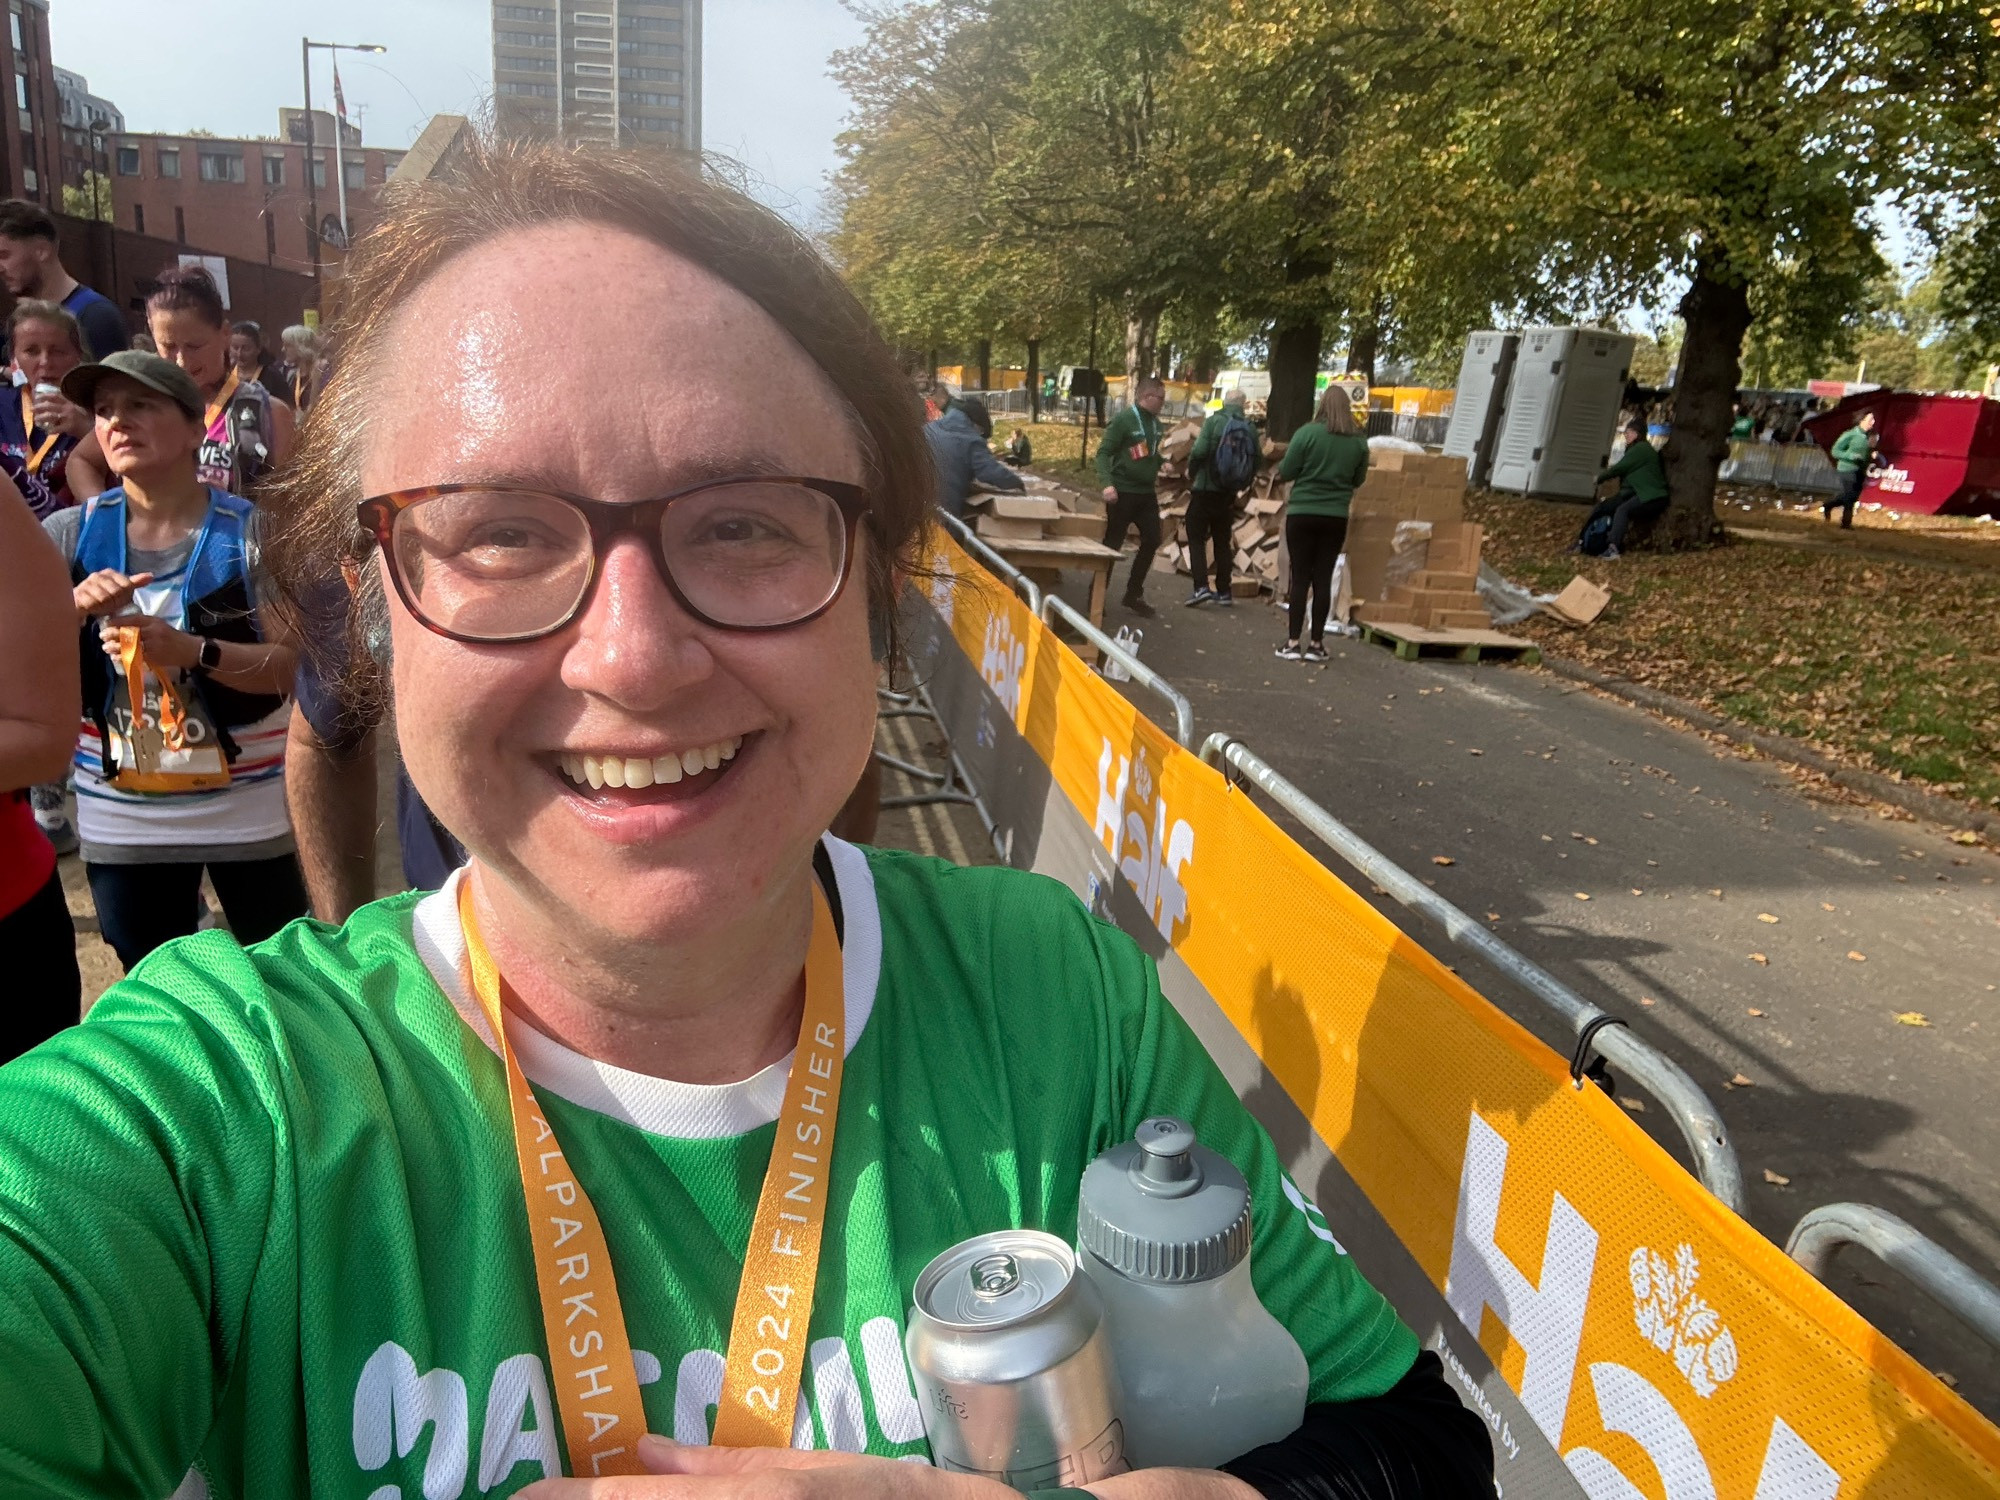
<point>1034,378</point>
<point>986,364</point>
<point>1367,341</point>
<point>1294,373</point>
<point>1716,310</point>
<point>1142,338</point>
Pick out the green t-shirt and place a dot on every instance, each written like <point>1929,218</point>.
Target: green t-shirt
<point>1128,455</point>
<point>261,1212</point>
<point>1325,469</point>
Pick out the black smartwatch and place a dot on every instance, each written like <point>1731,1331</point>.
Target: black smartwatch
<point>211,653</point>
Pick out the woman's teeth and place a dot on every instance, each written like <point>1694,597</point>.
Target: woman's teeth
<point>597,771</point>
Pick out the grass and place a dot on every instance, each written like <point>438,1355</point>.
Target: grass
<point>1888,664</point>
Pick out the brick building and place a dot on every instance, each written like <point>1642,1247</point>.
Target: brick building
<point>82,149</point>
<point>31,152</point>
<point>624,70</point>
<point>245,198</point>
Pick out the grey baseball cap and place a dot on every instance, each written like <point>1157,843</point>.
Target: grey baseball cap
<point>151,371</point>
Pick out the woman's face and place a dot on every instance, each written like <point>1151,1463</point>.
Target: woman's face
<point>192,342</point>
<point>704,384</point>
<point>44,352</point>
<point>143,433</point>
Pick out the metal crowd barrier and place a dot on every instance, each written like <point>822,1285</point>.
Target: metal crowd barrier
<point>999,565</point>
<point>1784,466</point>
<point>1140,673</point>
<point>1962,1291</point>
<point>1700,1123</point>
<point>953,784</point>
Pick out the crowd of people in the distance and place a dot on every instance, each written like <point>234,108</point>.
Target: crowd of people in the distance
<point>140,453</point>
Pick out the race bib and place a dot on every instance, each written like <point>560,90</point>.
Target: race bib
<point>161,740</point>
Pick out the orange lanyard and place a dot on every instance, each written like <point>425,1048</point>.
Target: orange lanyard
<point>28,433</point>
<point>221,403</point>
<point>597,1387</point>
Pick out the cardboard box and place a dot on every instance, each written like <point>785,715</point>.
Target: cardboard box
<point>1454,547</point>
<point>1385,614</point>
<point>1580,602</point>
<point>1006,529</point>
<point>1090,528</point>
<point>1247,534</point>
<point>1017,507</point>
<point>1460,619</point>
<point>1458,583</point>
<point>1264,507</point>
<point>1370,543</point>
<point>1244,588</point>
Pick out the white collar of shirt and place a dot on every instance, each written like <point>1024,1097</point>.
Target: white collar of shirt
<point>660,1106</point>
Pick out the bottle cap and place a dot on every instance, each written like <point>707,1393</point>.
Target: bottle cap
<point>1162,1208</point>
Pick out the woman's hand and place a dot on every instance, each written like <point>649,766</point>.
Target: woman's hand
<point>164,645</point>
<point>55,412</point>
<point>684,1472</point>
<point>106,591</point>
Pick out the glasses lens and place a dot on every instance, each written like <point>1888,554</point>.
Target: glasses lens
<point>756,552</point>
<point>493,565</point>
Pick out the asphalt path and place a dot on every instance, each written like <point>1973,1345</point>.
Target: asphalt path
<point>1541,793</point>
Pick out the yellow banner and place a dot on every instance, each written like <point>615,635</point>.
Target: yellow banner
<point>1664,1347</point>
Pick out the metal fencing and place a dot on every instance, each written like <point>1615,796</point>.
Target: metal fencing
<point>1781,466</point>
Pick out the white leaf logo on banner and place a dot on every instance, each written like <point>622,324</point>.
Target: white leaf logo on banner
<point>1678,1321</point>
<point>1000,663</point>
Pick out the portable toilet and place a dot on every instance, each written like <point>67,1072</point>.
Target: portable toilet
<point>1562,411</point>
<point>1483,375</point>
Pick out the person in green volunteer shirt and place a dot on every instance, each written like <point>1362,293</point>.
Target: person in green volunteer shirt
<point>1853,452</point>
<point>1128,461</point>
<point>263,1213</point>
<point>1325,461</point>
<point>1212,504</point>
<point>1642,490</point>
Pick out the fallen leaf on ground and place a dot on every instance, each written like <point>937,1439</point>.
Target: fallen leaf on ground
<point>1637,892</point>
<point>1755,1012</point>
<point>1758,958</point>
<point>1647,1000</point>
<point>1946,1379</point>
<point>1740,1082</point>
<point>1582,896</point>
<point>1912,1018</point>
<point>1776,1179</point>
<point>1826,906</point>
<point>1475,752</point>
<point>1443,859</point>
<point>1764,916</point>
<point>1636,1106</point>
<point>1716,894</point>
<point>1493,916</point>
<point>1965,836</point>
<point>1860,958</point>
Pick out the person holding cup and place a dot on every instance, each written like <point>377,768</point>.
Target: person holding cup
<point>40,425</point>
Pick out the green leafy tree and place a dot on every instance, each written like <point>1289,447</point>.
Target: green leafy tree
<point>88,198</point>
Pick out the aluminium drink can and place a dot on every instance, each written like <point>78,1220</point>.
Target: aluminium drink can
<point>1013,1371</point>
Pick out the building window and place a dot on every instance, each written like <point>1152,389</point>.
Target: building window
<point>270,236</point>
<point>591,43</point>
<point>221,166</point>
<point>651,75</point>
<point>531,90</point>
<point>528,64</point>
<point>170,161</point>
<point>128,161</point>
<point>650,49</point>
<point>524,39</point>
<point>657,101</point>
<point>589,18</point>
<point>522,13</point>
<point>594,96</point>
<point>646,123</point>
<point>30,179</point>
<point>180,225</point>
<point>356,173</point>
<point>649,23</point>
<point>15,18</point>
<point>21,90</point>
<point>274,171</point>
<point>139,217</point>
<point>593,70</point>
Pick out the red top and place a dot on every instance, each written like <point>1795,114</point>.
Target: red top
<point>27,858</point>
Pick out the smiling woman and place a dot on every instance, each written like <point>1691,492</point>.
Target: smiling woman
<point>487,1161</point>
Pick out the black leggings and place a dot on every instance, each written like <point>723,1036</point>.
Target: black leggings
<point>1852,482</point>
<point>140,907</point>
<point>1313,545</point>
<point>1209,521</point>
<point>39,945</point>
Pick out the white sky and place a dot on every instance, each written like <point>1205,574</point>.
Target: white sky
<point>228,68</point>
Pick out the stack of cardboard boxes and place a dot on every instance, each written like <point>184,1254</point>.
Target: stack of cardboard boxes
<point>1412,557</point>
<point>1045,513</point>
<point>1256,537</point>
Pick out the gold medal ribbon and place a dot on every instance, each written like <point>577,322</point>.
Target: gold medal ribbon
<point>590,1351</point>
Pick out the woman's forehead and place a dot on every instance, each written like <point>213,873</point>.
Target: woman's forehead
<point>572,347</point>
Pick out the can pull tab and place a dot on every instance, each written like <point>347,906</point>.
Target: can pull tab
<point>995,1275</point>
<point>1166,1166</point>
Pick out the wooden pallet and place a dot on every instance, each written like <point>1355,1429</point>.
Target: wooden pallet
<point>1411,642</point>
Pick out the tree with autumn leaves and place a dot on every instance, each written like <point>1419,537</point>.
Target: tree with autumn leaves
<point>1389,174</point>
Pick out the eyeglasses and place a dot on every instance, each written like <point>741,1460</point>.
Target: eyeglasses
<point>493,563</point>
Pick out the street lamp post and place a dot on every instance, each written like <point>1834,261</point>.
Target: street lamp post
<point>312,143</point>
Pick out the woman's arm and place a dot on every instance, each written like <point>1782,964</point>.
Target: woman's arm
<point>39,690</point>
<point>247,666</point>
<point>88,472</point>
<point>283,425</point>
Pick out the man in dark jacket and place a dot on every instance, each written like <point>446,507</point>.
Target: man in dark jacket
<point>1211,513</point>
<point>1642,488</point>
<point>1128,461</point>
<point>958,447</point>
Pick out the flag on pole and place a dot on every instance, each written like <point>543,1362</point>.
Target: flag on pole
<point>339,99</point>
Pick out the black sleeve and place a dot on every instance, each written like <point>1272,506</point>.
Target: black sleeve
<point>1416,1441</point>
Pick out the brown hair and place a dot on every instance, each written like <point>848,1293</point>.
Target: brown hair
<point>491,188</point>
<point>1336,412</point>
<point>188,289</point>
<point>34,310</point>
<point>22,220</point>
